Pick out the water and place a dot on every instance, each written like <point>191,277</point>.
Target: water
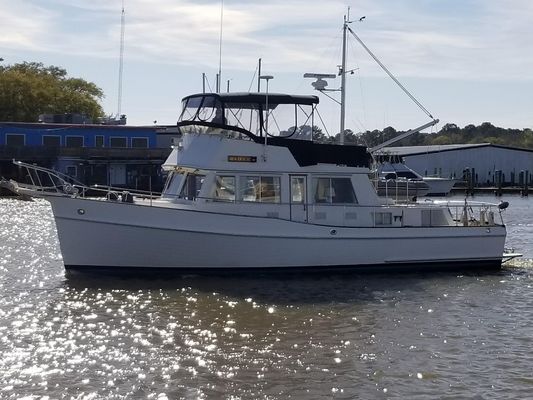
<point>397,336</point>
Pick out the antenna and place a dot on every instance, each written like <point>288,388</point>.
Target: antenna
<point>220,46</point>
<point>320,84</point>
<point>259,76</point>
<point>342,73</point>
<point>121,60</point>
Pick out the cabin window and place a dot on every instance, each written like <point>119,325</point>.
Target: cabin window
<point>74,141</point>
<point>51,141</point>
<point>192,186</point>
<point>225,188</point>
<point>263,189</point>
<point>334,190</point>
<point>173,183</point>
<point>383,218</point>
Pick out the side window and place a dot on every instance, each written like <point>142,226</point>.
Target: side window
<point>118,142</point>
<point>51,141</point>
<point>192,186</point>
<point>334,191</point>
<point>99,141</point>
<point>383,218</point>
<point>270,189</point>
<point>342,191</point>
<point>14,139</point>
<point>225,188</point>
<point>263,189</point>
<point>139,142</point>
<point>74,141</point>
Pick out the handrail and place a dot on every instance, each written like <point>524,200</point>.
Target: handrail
<point>47,170</point>
<point>67,186</point>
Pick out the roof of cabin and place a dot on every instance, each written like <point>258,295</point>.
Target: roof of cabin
<point>259,98</point>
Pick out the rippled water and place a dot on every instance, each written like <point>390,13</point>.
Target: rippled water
<point>416,336</point>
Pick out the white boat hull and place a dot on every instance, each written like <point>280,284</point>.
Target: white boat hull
<point>439,186</point>
<point>96,233</point>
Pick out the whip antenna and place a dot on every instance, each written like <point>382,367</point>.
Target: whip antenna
<point>121,60</point>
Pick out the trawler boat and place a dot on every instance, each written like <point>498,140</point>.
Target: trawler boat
<point>238,196</point>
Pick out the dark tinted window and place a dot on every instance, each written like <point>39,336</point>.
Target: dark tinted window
<point>118,142</point>
<point>74,141</point>
<point>334,190</point>
<point>98,141</point>
<point>51,141</point>
<point>139,142</point>
<point>15,140</point>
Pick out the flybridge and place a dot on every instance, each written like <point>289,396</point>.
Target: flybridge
<point>290,116</point>
<point>244,116</point>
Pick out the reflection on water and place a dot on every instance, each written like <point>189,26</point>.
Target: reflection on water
<point>441,335</point>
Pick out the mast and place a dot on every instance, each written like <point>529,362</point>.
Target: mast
<point>343,79</point>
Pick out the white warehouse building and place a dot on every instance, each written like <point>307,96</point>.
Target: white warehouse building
<point>484,160</point>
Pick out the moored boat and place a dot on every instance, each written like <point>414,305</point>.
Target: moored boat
<point>241,194</point>
<point>239,197</point>
<point>399,181</point>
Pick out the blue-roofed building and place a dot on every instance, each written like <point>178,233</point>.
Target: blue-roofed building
<point>115,155</point>
<point>69,135</point>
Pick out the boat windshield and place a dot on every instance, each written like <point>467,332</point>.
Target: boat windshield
<point>287,116</point>
<point>407,175</point>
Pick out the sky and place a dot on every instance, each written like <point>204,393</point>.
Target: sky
<point>466,61</point>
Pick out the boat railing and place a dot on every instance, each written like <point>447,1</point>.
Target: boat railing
<point>399,188</point>
<point>450,213</point>
<point>472,213</point>
<point>44,181</point>
<point>462,213</point>
<point>47,181</point>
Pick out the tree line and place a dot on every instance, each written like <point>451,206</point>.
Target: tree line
<point>449,134</point>
<point>29,89</point>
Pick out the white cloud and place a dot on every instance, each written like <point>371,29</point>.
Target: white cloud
<point>455,40</point>
<point>493,42</point>
<point>22,24</point>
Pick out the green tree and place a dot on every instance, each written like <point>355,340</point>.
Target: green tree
<point>29,89</point>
